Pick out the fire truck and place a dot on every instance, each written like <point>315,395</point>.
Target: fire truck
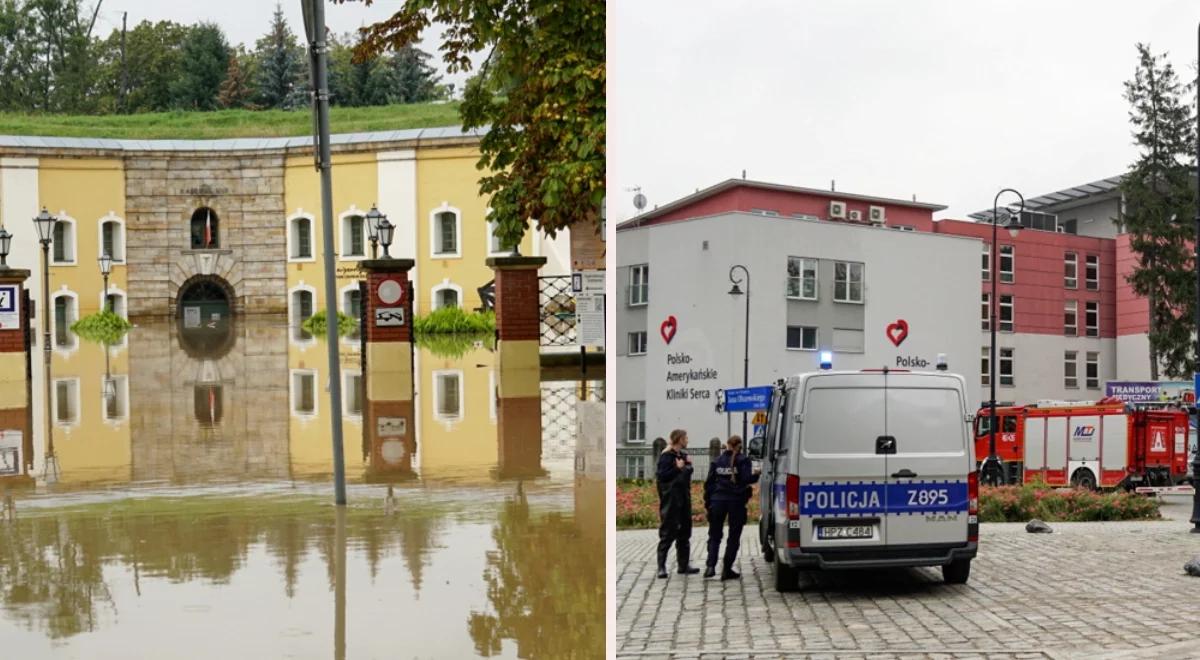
<point>1091,444</point>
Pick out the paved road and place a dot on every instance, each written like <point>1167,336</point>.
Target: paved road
<point>1089,590</point>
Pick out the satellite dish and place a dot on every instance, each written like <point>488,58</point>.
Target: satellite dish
<point>639,201</point>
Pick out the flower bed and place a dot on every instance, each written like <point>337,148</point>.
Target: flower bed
<point>637,504</point>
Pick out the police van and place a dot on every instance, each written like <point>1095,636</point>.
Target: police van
<point>868,469</point>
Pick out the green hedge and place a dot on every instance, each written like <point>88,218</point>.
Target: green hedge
<point>315,325</point>
<point>454,346</point>
<point>455,320</point>
<point>104,327</point>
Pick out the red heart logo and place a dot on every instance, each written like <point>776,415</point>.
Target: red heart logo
<point>898,331</point>
<point>667,329</point>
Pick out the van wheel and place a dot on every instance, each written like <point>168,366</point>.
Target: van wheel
<point>768,547</point>
<point>786,577</point>
<point>957,571</point>
<point>1083,478</point>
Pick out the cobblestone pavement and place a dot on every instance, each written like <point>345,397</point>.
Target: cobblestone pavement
<point>1089,590</point>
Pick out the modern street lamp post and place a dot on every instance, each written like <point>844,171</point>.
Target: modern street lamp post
<point>991,467</point>
<point>374,218</point>
<point>45,229</point>
<point>737,291</point>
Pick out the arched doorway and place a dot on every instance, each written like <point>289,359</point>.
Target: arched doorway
<point>204,301</point>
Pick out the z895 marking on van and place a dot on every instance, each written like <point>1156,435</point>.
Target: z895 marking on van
<point>865,498</point>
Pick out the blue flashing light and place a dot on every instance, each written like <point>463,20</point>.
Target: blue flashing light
<point>826,359</point>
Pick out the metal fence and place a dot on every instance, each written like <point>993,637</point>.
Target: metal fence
<point>557,304</point>
<point>558,414</point>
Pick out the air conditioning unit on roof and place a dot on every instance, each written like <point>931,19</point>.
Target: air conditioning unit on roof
<point>877,215</point>
<point>837,209</point>
<point>855,216</point>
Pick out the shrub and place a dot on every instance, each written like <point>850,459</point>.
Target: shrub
<point>454,346</point>
<point>455,320</point>
<point>315,324</point>
<point>104,327</point>
<point>637,504</point>
<point>1023,503</point>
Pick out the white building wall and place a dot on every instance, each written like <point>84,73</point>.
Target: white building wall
<point>1039,367</point>
<point>931,281</point>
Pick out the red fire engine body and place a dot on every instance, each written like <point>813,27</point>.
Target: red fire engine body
<point>1101,444</point>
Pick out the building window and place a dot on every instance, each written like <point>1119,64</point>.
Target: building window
<point>985,371</point>
<point>637,343</point>
<point>1091,318</point>
<point>1007,259</point>
<point>112,239</point>
<point>1071,370</point>
<point>448,390</point>
<point>116,407</point>
<point>302,309</point>
<point>639,285</point>
<point>66,312</point>
<point>987,262</point>
<point>301,238</point>
<point>352,307</point>
<point>801,338</point>
<point>352,385</point>
<point>1007,377</point>
<point>1093,370</point>
<point>635,467</point>
<point>985,308</point>
<point>304,392</point>
<point>1071,318</point>
<point>1006,313</point>
<point>205,228</point>
<point>63,248</point>
<point>207,404</point>
<point>847,281</point>
<point>66,401</point>
<point>496,245</point>
<point>446,228</point>
<point>802,278</point>
<point>447,295</point>
<point>1071,270</point>
<point>635,422</point>
<point>1092,272</point>
<point>354,237</point>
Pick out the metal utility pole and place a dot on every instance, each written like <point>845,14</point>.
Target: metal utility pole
<point>1195,519</point>
<point>314,27</point>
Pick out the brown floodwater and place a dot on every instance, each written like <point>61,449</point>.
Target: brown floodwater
<point>189,512</point>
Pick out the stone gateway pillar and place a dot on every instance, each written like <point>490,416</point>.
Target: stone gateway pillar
<point>388,415</point>
<point>518,349</point>
<point>16,430</point>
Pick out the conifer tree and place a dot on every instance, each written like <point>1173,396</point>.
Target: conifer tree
<point>281,74</point>
<point>1159,210</point>
<point>236,90</point>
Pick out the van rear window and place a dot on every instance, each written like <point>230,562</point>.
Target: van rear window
<point>926,420</point>
<point>842,420</point>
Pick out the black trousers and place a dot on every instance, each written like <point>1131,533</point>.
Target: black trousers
<point>736,512</point>
<point>676,527</point>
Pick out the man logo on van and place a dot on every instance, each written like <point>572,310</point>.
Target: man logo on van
<point>1084,432</point>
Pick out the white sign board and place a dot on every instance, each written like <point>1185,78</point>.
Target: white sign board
<point>391,427</point>
<point>10,307</point>
<point>589,319</point>
<point>587,281</point>
<point>389,316</point>
<point>10,452</point>
<point>191,317</point>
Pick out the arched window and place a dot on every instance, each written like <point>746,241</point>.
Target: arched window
<point>207,404</point>
<point>352,307</point>
<point>301,307</point>
<point>300,240</point>
<point>112,238</point>
<point>446,225</point>
<point>66,312</point>
<point>205,227</point>
<point>447,294</point>
<point>448,395</point>
<point>354,236</point>
<point>115,301</point>
<point>62,249</point>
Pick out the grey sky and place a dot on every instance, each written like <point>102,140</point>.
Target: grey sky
<point>949,100</point>
<point>244,21</point>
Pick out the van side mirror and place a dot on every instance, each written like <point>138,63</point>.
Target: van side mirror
<point>755,449</point>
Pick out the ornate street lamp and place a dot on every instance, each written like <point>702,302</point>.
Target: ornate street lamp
<point>105,269</point>
<point>44,222</point>
<point>385,236</point>
<point>374,219</point>
<point>737,291</point>
<point>992,469</point>
<point>5,245</point>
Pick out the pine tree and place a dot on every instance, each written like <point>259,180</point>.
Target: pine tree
<point>281,79</point>
<point>415,80</point>
<point>235,91</point>
<point>1159,209</point>
<point>202,68</point>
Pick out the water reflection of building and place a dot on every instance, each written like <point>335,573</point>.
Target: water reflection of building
<point>92,433</point>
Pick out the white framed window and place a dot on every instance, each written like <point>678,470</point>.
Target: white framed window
<point>635,467</point>
<point>1007,263</point>
<point>351,299</point>
<point>639,285</point>
<point>847,282</point>
<point>1093,370</point>
<point>66,401</point>
<point>801,338</point>
<point>446,294</point>
<point>637,343</point>
<point>354,235</point>
<point>634,431</point>
<point>445,229</point>
<point>304,392</point>
<point>116,407</point>
<point>66,311</point>
<point>115,301</point>
<point>1091,272</point>
<point>112,238</point>
<point>985,306</point>
<point>62,248</point>
<point>302,300</point>
<point>495,246</point>
<point>802,278</point>
<point>1071,370</point>
<point>985,370</point>
<point>1071,270</point>
<point>1071,318</point>
<point>300,239</point>
<point>1091,318</point>
<point>987,262</point>
<point>1006,314</point>
<point>448,395</point>
<point>1007,365</point>
<point>353,394</point>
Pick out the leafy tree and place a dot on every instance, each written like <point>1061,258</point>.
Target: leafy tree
<point>236,90</point>
<point>540,90</point>
<point>1159,209</point>
<point>21,67</point>
<point>281,74</point>
<point>202,69</point>
<point>414,80</point>
<point>153,57</point>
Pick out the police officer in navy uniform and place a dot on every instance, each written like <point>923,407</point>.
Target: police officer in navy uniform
<point>726,492</point>
<point>674,477</point>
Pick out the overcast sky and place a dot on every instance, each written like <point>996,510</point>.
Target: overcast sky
<point>948,100</point>
<point>244,21</point>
